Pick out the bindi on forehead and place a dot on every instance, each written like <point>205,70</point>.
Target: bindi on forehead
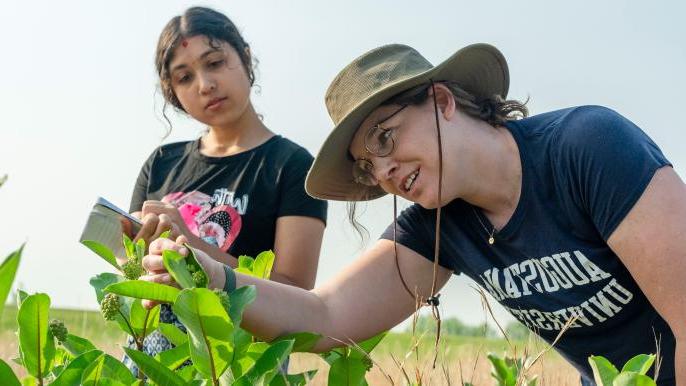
<point>184,43</point>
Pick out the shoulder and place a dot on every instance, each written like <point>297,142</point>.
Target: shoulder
<point>172,150</point>
<point>286,152</point>
<point>591,126</point>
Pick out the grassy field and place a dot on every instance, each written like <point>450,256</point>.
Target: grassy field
<point>460,359</point>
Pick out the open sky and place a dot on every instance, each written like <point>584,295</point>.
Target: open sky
<point>80,111</point>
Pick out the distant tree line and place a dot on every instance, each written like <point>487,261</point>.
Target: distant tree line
<point>454,326</point>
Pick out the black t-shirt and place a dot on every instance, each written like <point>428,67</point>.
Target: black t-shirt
<point>232,202</point>
<point>583,169</point>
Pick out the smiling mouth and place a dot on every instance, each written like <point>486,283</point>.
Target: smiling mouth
<point>409,181</point>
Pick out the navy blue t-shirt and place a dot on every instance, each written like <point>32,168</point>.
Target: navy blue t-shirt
<point>583,169</point>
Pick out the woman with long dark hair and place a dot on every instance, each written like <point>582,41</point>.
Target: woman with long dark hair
<point>238,189</point>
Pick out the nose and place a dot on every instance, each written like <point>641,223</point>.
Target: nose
<point>207,84</point>
<point>384,168</point>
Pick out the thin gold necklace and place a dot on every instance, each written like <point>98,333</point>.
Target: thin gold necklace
<point>491,234</point>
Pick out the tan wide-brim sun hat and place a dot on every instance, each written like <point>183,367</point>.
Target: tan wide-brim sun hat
<point>373,78</point>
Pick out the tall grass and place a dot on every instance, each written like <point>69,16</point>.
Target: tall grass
<point>460,359</point>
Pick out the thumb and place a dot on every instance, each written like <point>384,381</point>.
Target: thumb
<point>181,240</point>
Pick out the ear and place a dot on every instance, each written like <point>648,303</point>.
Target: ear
<point>444,99</point>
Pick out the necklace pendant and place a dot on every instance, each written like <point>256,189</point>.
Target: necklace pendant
<point>491,240</point>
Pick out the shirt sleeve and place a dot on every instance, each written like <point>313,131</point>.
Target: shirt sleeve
<point>416,230</point>
<point>294,201</point>
<point>607,161</point>
<point>140,189</point>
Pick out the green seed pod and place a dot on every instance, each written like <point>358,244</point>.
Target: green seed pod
<point>132,269</point>
<point>200,279</point>
<point>58,330</point>
<point>109,306</point>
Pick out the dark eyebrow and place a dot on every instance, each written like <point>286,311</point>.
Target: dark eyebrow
<point>203,56</point>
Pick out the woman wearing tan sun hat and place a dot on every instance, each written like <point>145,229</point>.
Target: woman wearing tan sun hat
<point>571,217</point>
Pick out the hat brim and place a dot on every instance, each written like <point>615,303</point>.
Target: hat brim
<point>479,69</point>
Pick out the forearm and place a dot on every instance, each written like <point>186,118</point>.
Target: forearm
<point>283,309</point>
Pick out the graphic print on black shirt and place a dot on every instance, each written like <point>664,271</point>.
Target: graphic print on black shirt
<point>583,169</point>
<point>232,202</point>
<point>215,219</point>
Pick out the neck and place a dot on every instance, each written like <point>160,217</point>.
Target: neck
<point>243,134</point>
<point>496,173</point>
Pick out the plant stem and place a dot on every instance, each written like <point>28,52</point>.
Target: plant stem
<point>137,340</point>
<point>38,350</point>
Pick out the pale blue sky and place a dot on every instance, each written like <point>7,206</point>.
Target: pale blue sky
<point>79,111</point>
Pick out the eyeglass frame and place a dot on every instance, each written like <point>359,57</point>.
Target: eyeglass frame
<point>364,168</point>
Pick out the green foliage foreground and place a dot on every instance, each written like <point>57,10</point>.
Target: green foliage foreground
<point>220,351</point>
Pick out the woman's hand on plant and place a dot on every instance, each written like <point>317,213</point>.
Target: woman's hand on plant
<point>157,273</point>
<point>160,208</point>
<point>154,225</point>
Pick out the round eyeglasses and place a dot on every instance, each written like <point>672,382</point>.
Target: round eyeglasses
<point>379,142</point>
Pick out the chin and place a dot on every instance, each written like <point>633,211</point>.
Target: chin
<point>432,203</point>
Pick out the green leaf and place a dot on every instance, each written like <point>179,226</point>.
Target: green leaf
<point>245,262</point>
<point>106,370</point>
<point>128,246</point>
<point>209,328</point>
<point>242,341</point>
<point>101,281</point>
<point>100,284</point>
<point>367,346</point>
<point>62,357</point>
<point>267,366</point>
<point>173,334</point>
<point>154,370</point>
<point>102,251</point>
<point>176,265</point>
<point>347,372</point>
<point>3,179</point>
<point>104,381</point>
<point>21,296</point>
<point>293,379</point>
<point>8,270</point>
<point>603,371</point>
<point>165,234</point>
<point>77,345</point>
<point>140,249</point>
<point>29,381</point>
<point>262,267</point>
<point>188,373</point>
<point>143,320</point>
<point>303,341</point>
<point>174,357</point>
<point>633,379</point>
<point>73,373</point>
<point>7,375</point>
<point>333,355</point>
<point>140,289</point>
<point>36,344</point>
<point>503,373</point>
<point>243,362</point>
<point>238,300</point>
<point>639,364</point>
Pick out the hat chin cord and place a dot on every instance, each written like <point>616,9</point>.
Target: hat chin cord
<point>433,300</point>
